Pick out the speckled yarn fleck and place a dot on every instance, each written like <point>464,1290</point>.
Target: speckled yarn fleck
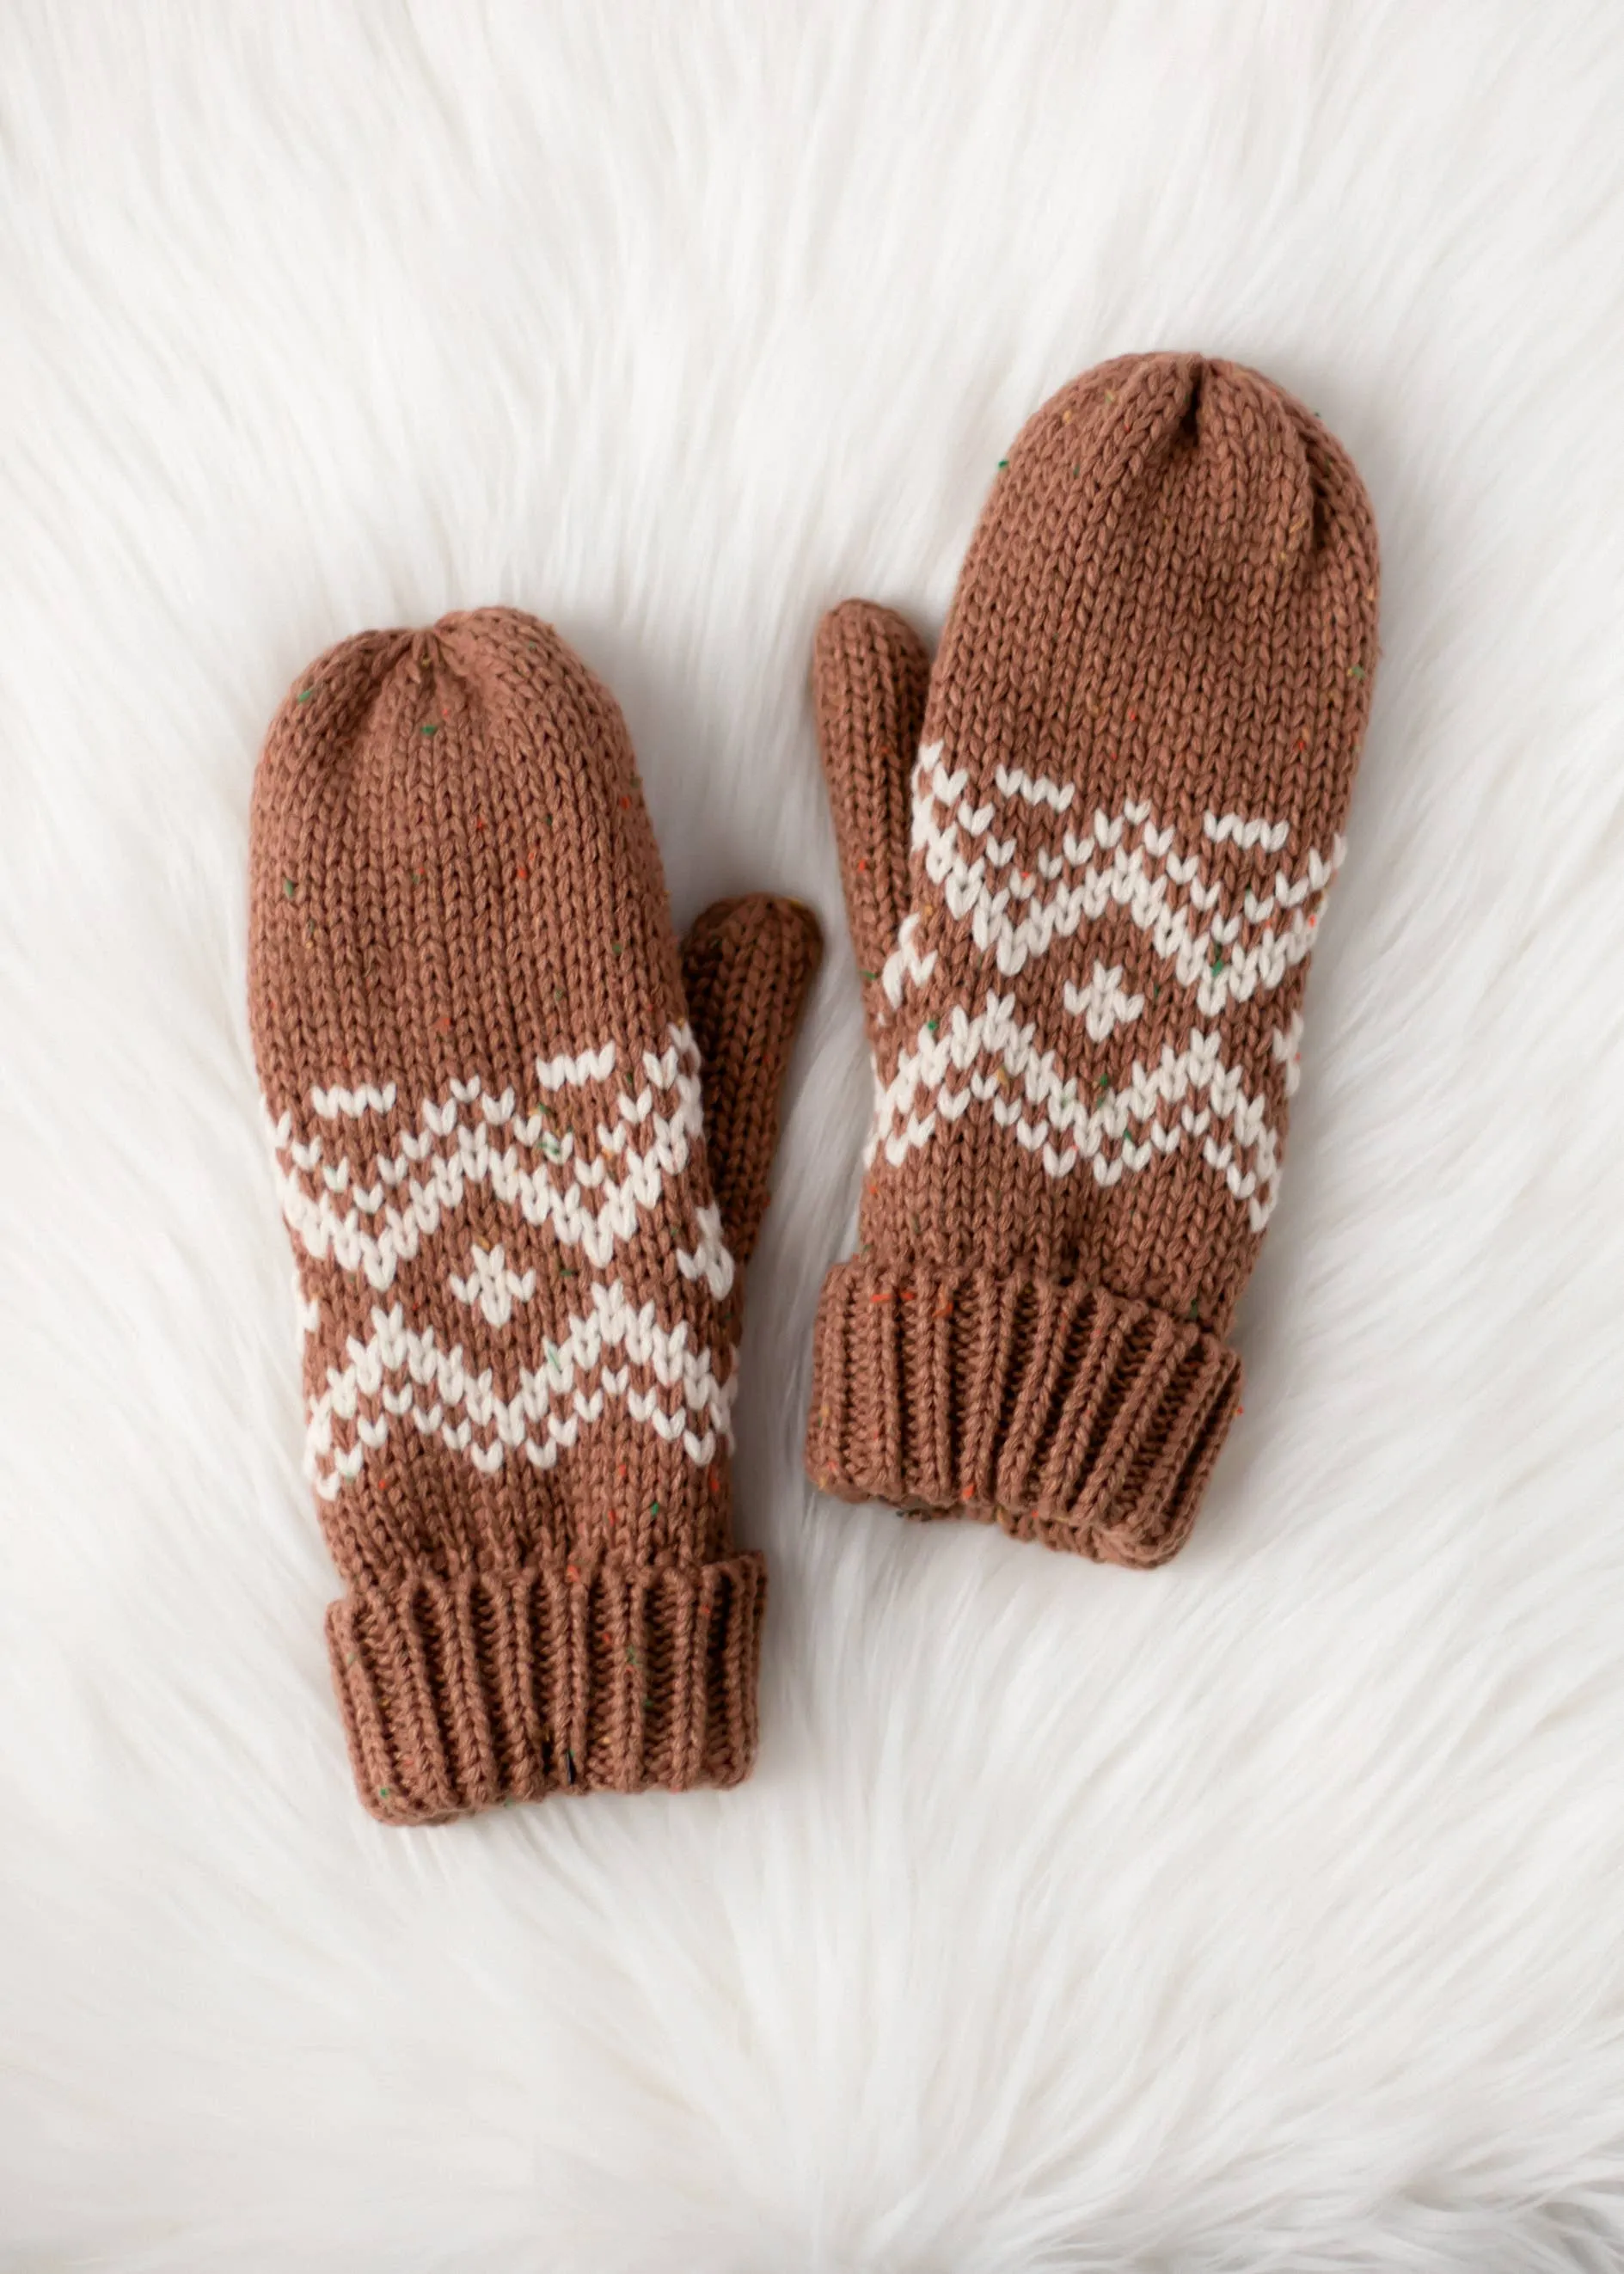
<point>517,1254</point>
<point>1083,923</point>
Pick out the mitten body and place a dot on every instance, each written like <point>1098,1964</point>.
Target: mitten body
<point>1135,753</point>
<point>519,1308</point>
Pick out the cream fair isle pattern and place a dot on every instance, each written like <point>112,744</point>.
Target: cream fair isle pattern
<point>378,1386</point>
<point>1218,959</point>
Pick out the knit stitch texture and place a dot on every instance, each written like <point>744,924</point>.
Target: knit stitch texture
<point>518,1259</point>
<point>1082,925</point>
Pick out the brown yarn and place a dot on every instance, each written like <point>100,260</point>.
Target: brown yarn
<point>516,1248</point>
<point>1083,943</point>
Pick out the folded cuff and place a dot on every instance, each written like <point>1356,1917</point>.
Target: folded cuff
<point>487,1687</point>
<point>1061,1412</point>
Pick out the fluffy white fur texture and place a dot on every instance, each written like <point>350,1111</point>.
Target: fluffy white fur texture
<point>1261,1914</point>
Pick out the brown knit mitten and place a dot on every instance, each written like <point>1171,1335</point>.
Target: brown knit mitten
<point>518,1258</point>
<point>1083,943</point>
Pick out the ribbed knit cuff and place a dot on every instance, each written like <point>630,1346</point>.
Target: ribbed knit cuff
<point>466,1693</point>
<point>1059,1410</point>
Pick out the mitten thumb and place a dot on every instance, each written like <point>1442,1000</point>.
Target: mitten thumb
<point>746,965</point>
<point>870,673</point>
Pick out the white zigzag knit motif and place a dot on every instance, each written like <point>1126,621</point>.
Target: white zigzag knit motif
<point>1037,789</point>
<point>374,1233</point>
<point>1104,1004</point>
<point>546,1413</point>
<point>350,1104</point>
<point>1166,895</point>
<point>1271,835</point>
<point>490,1287</point>
<point>561,1072</point>
<point>1121,861</point>
<point>1285,1043</point>
<point>907,964</point>
<point>711,1260</point>
<point>1030,1094</point>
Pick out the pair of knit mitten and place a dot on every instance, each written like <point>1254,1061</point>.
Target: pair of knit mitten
<point>522,1134</point>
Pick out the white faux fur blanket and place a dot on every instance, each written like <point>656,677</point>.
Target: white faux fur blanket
<point>1262,1913</point>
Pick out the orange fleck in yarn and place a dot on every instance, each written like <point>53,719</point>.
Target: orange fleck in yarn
<point>1083,920</point>
<point>521,1139</point>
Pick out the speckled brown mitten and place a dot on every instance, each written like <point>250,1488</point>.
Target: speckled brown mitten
<point>1083,938</point>
<point>518,1257</point>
